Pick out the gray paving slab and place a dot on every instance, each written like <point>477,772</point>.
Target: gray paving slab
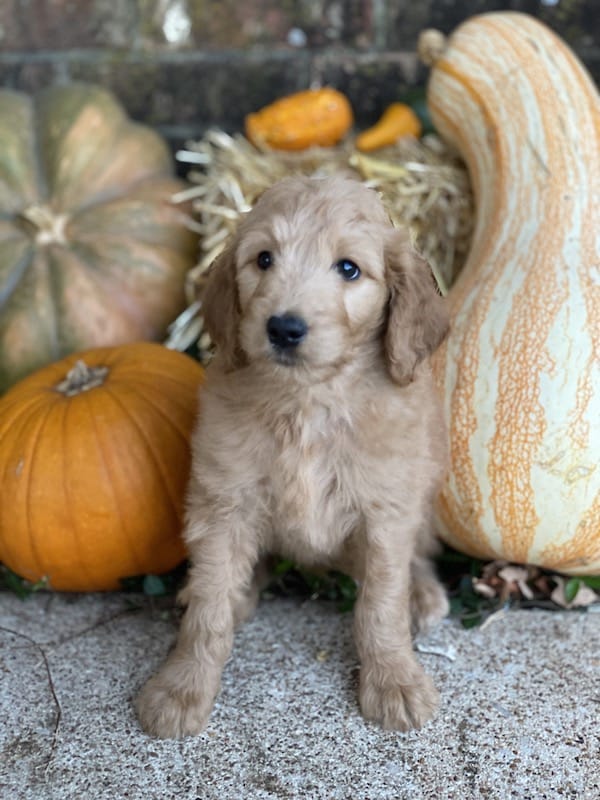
<point>520,712</point>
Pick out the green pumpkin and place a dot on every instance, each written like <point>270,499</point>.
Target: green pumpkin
<point>92,250</point>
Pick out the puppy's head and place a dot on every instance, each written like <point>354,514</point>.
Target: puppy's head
<point>317,273</point>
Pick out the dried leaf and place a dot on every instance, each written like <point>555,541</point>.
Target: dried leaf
<point>513,574</point>
<point>431,649</point>
<point>423,183</point>
<point>582,597</point>
<point>516,580</point>
<point>495,617</point>
<point>484,589</point>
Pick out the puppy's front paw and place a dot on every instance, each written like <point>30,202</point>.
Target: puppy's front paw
<point>170,711</point>
<point>399,702</point>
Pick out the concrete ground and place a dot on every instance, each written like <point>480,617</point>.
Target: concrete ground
<point>520,713</point>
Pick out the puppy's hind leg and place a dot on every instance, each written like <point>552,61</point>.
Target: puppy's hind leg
<point>247,600</point>
<point>428,601</point>
<point>178,700</point>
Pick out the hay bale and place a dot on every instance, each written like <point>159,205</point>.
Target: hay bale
<point>424,185</point>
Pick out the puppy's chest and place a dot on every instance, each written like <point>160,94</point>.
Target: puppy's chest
<point>312,508</point>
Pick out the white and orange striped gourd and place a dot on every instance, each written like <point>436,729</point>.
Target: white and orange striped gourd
<point>520,371</point>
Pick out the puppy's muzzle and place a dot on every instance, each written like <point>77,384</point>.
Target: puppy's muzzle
<point>285,332</point>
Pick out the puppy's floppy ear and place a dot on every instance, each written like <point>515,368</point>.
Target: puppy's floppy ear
<point>417,319</point>
<point>221,309</point>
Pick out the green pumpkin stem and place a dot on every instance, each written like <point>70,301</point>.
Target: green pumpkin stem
<point>81,378</point>
<point>49,227</point>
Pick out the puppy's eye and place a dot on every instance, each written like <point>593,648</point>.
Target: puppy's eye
<point>264,259</point>
<point>347,269</point>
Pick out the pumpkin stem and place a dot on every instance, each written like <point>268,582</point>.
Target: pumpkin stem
<point>49,227</point>
<point>431,46</point>
<point>81,378</point>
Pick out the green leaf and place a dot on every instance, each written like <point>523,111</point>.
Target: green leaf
<point>345,605</point>
<point>12,582</point>
<point>347,585</point>
<point>471,620</point>
<point>456,606</point>
<point>572,586</point>
<point>417,99</point>
<point>593,581</point>
<point>154,586</point>
<point>283,567</point>
<point>19,586</point>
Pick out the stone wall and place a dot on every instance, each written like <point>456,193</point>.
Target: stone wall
<point>184,65</point>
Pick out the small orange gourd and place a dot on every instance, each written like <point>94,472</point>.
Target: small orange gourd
<point>396,121</point>
<point>94,459</point>
<point>312,118</point>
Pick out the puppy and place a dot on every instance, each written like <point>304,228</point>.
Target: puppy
<point>319,439</point>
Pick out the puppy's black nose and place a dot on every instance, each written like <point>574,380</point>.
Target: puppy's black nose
<point>286,331</point>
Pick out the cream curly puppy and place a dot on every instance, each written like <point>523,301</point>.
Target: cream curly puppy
<point>319,438</point>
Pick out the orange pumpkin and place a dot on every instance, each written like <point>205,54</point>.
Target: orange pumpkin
<point>312,118</point>
<point>94,459</point>
<point>92,250</point>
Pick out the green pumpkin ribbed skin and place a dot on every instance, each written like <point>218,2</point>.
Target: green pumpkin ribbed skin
<point>92,251</point>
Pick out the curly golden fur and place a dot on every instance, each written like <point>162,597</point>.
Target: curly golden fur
<point>321,440</point>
